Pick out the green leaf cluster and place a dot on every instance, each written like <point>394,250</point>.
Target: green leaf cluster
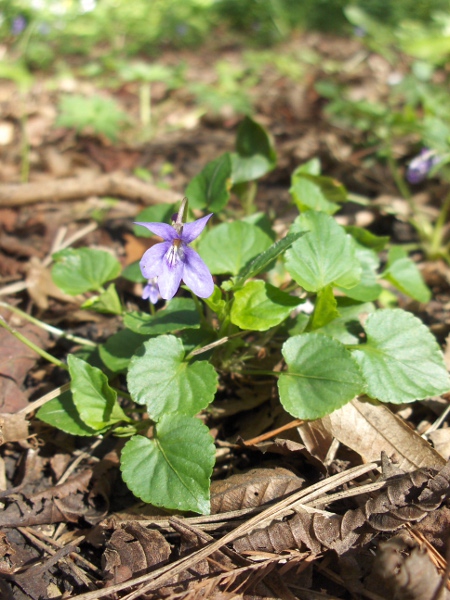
<point>312,294</point>
<point>94,114</point>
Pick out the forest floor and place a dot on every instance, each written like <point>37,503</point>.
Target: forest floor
<point>70,528</point>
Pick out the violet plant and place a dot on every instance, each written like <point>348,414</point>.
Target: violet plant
<point>166,366</point>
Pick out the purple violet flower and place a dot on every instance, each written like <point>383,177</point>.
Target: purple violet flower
<point>151,291</point>
<point>172,261</point>
<point>421,165</point>
<point>18,25</point>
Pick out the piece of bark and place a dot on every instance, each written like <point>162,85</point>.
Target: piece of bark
<point>114,184</point>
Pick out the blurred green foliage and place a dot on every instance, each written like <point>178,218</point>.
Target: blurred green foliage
<point>61,27</point>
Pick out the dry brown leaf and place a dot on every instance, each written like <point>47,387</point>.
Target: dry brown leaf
<point>16,360</point>
<point>370,428</point>
<point>406,573</point>
<point>132,550</point>
<point>441,441</point>
<point>317,437</point>
<point>40,285</point>
<point>406,498</point>
<point>254,488</point>
<point>13,427</point>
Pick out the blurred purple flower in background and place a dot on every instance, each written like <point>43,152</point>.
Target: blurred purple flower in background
<point>151,291</point>
<point>18,25</point>
<point>172,261</point>
<point>421,165</point>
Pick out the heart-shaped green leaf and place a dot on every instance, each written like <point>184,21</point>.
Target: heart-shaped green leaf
<point>322,376</point>
<point>325,255</point>
<point>118,349</point>
<point>260,306</point>
<point>173,469</point>
<point>310,190</point>
<point>255,154</point>
<point>230,246</point>
<point>211,188</point>
<point>83,269</point>
<point>160,378</point>
<point>401,361</point>
<point>403,273</point>
<point>178,314</point>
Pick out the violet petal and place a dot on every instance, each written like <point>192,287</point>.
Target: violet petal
<point>170,278</point>
<point>194,229</point>
<point>151,292</point>
<point>196,274</point>
<point>152,262</point>
<point>167,232</point>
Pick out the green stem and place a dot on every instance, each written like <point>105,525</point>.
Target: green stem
<point>50,328</point>
<point>417,221</point>
<point>145,103</point>
<point>248,198</point>
<point>399,181</point>
<point>259,372</point>
<point>32,345</point>
<point>438,231</point>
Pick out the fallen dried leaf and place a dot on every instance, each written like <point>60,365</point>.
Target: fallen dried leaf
<point>370,428</point>
<point>254,488</point>
<point>13,427</point>
<point>406,573</point>
<point>132,550</point>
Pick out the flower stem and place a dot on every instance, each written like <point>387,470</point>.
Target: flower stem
<point>50,328</point>
<point>32,345</point>
<point>438,231</point>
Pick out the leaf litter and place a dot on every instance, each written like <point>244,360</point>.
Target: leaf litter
<point>328,519</point>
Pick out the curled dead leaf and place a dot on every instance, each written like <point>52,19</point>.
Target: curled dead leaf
<point>254,488</point>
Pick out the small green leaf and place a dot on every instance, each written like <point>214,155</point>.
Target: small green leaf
<point>366,238</point>
<point>403,273</point>
<point>325,309</point>
<point>172,470</point>
<point>401,361</point>
<point>255,154</point>
<point>263,260</point>
<point>160,378</point>
<point>322,376</point>
<point>261,220</point>
<point>62,413</point>
<point>107,303</point>
<point>211,188</point>
<point>310,190</point>
<point>367,289</point>
<point>178,314</point>
<point>118,349</point>
<point>158,213</point>
<point>230,246</point>
<point>216,303</point>
<point>326,255</point>
<point>83,269</point>
<point>133,273</point>
<point>260,306</point>
<point>347,328</point>
<point>94,400</point>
